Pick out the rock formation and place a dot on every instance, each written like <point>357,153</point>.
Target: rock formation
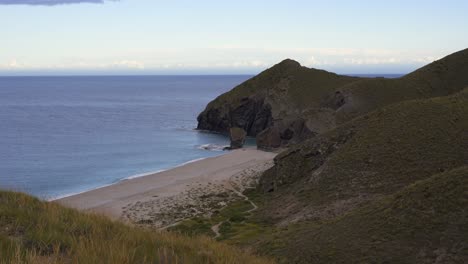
<point>237,136</point>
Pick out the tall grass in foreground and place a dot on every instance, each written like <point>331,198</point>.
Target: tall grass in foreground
<point>32,231</point>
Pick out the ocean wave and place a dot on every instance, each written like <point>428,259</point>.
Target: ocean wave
<point>158,171</point>
<point>58,197</point>
<point>212,147</point>
<point>141,175</point>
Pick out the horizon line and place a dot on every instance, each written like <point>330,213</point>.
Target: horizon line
<point>182,75</point>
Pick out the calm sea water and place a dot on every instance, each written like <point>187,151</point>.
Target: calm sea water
<point>64,135</point>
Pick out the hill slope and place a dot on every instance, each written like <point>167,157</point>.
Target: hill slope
<point>371,156</point>
<point>32,231</point>
<point>426,222</point>
<point>288,103</point>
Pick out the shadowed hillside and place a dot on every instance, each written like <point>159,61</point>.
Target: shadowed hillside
<point>344,194</point>
<point>387,186</point>
<point>426,222</point>
<point>366,158</point>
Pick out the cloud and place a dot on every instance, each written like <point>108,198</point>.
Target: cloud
<point>130,64</point>
<point>229,59</point>
<point>12,65</point>
<point>48,2</point>
<point>15,65</point>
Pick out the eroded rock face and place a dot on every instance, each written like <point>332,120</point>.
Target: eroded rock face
<point>269,138</point>
<point>251,114</point>
<point>298,161</point>
<point>237,136</point>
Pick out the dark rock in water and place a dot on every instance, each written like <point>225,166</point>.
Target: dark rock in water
<point>237,136</point>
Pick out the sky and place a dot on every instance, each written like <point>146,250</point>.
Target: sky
<point>87,37</point>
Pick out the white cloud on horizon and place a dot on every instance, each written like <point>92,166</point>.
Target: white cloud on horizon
<point>234,59</point>
<point>79,65</point>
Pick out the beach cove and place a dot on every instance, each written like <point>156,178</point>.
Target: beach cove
<point>162,199</point>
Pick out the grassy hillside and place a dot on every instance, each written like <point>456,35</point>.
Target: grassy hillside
<point>440,78</point>
<point>386,187</point>
<point>367,191</point>
<point>371,156</point>
<point>426,222</point>
<point>375,169</point>
<point>32,231</point>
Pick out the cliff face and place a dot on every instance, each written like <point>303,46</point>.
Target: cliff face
<point>289,103</point>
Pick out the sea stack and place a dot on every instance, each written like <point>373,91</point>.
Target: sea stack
<point>237,136</point>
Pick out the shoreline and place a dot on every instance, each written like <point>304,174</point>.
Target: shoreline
<point>131,177</point>
<point>164,198</point>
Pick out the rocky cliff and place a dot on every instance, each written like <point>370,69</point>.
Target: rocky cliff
<point>275,105</point>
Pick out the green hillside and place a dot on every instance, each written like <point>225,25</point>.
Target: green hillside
<point>386,187</point>
<point>32,231</point>
<point>366,158</point>
<point>426,222</point>
<point>373,170</point>
<point>440,78</point>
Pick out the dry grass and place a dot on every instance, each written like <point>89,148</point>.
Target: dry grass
<point>32,231</point>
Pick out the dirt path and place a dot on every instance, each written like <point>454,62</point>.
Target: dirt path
<point>215,228</point>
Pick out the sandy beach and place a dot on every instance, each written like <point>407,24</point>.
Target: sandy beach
<point>162,199</point>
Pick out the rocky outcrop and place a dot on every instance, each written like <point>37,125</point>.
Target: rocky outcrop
<point>237,136</point>
<point>250,113</point>
<point>272,106</point>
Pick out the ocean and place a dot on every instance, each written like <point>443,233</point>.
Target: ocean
<point>65,135</point>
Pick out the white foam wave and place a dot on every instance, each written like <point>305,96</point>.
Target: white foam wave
<point>75,193</point>
<point>141,175</point>
<point>212,147</point>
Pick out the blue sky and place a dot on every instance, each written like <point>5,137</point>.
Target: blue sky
<point>225,37</point>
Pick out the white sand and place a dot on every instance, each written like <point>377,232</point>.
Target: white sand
<point>203,174</point>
